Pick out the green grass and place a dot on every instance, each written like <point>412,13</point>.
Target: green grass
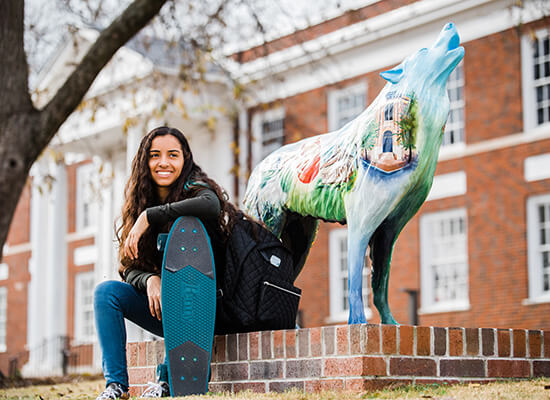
<point>534,389</point>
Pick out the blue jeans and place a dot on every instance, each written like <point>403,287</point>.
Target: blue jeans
<point>114,301</point>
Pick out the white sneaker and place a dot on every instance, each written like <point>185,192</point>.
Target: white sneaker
<point>160,389</point>
<point>113,391</point>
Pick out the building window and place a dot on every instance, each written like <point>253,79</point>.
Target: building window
<point>535,57</point>
<point>272,136</point>
<point>84,307</point>
<point>444,261</point>
<point>346,104</point>
<point>538,243</point>
<point>454,129</point>
<point>541,77</point>
<point>339,293</point>
<point>3,316</point>
<point>269,133</point>
<point>85,207</point>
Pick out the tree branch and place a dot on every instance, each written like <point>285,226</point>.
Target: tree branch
<point>67,98</point>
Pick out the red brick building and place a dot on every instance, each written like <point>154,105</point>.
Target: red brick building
<point>477,253</point>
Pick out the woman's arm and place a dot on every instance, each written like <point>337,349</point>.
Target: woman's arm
<point>137,278</point>
<point>205,205</point>
<point>149,283</point>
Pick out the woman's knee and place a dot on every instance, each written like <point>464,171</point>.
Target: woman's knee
<point>106,292</point>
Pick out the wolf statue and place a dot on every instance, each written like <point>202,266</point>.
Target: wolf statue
<point>373,174</point>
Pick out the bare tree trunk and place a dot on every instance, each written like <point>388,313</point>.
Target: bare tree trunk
<point>24,131</point>
<point>18,117</point>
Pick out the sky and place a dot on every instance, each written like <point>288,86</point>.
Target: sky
<point>49,22</point>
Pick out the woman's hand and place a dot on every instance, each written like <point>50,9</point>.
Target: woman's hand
<point>131,243</point>
<point>153,294</point>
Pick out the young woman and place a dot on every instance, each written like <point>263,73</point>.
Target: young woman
<point>165,183</point>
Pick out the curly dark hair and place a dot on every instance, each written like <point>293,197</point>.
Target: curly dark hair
<point>140,193</point>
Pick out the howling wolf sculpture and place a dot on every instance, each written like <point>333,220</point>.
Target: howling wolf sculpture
<point>373,174</point>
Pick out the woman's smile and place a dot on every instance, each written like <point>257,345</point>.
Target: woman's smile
<point>164,174</point>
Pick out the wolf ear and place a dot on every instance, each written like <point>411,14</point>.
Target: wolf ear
<point>393,75</point>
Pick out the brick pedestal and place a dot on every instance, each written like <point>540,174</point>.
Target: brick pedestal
<point>359,357</point>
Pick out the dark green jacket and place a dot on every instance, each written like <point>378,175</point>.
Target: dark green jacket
<point>205,205</point>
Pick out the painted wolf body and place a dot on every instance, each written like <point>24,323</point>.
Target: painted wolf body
<point>373,174</point>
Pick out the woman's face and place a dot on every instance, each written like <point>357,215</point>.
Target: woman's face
<point>165,162</point>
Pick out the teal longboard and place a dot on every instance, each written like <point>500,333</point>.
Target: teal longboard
<point>188,305</point>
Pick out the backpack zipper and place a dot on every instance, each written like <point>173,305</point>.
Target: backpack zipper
<point>266,283</point>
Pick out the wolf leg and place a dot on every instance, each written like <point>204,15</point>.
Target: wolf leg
<point>382,243</point>
<point>357,247</point>
<point>297,235</point>
<point>381,248</point>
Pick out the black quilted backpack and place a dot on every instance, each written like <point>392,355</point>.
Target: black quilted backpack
<point>255,289</point>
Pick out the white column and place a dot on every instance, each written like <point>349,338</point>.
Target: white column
<point>36,288</point>
<point>243,153</point>
<point>104,243</point>
<point>105,233</point>
<point>119,183</point>
<point>56,269</point>
<point>132,145</point>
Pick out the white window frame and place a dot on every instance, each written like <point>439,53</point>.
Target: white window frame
<point>259,152</point>
<point>3,317</point>
<point>456,108</point>
<point>536,168</point>
<point>448,185</point>
<point>428,304</point>
<point>81,333</point>
<point>85,176</point>
<point>335,95</point>
<point>529,93</point>
<point>534,249</point>
<point>338,256</point>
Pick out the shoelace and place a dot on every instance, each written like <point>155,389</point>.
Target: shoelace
<point>153,390</point>
<point>110,392</point>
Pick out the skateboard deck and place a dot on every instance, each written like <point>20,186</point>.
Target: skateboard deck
<point>188,306</point>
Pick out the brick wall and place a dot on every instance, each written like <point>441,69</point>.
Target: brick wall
<point>16,324</point>
<point>359,357</point>
<point>492,76</point>
<point>16,284</point>
<point>20,228</point>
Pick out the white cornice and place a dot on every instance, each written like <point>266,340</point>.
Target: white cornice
<point>373,44</point>
<point>361,33</point>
